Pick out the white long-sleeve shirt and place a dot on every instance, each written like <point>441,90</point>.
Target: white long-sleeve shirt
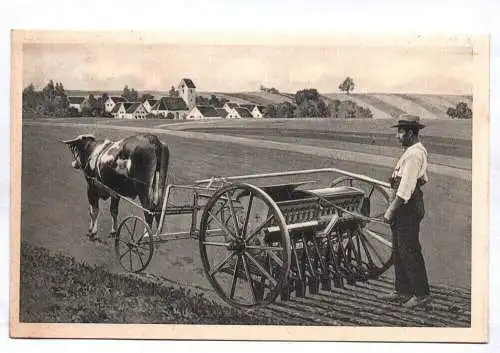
<point>411,166</point>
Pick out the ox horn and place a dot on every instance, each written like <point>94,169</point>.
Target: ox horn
<point>80,137</point>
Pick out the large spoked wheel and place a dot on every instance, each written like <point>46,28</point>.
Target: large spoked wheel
<point>369,248</point>
<point>244,246</point>
<point>134,244</point>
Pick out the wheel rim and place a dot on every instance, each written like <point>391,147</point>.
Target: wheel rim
<point>134,244</point>
<point>246,255</point>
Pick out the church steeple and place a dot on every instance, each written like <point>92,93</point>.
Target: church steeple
<point>187,91</point>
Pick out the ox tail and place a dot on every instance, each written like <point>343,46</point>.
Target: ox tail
<point>162,160</point>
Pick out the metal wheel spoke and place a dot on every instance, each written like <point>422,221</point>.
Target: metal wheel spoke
<point>137,251</point>
<point>269,219</point>
<point>378,237</point>
<point>235,277</point>
<point>367,252</point>
<point>125,253</point>
<point>371,191</point>
<point>135,226</point>
<point>261,269</point>
<point>247,215</point>
<point>214,243</point>
<point>223,226</point>
<point>219,266</point>
<point>129,231</point>
<point>233,215</point>
<point>140,258</point>
<point>257,247</point>
<point>348,248</point>
<point>275,258</point>
<point>144,236</point>
<point>142,247</point>
<point>358,247</point>
<point>370,245</point>
<point>250,282</point>
<point>221,208</point>
<point>130,259</point>
<point>123,241</point>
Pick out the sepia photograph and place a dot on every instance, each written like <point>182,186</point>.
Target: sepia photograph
<point>175,186</point>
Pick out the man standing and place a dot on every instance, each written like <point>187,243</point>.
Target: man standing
<point>405,213</point>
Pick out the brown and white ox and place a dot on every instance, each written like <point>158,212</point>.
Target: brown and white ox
<point>135,166</point>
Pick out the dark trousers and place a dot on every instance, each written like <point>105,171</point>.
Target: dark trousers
<point>409,265</point>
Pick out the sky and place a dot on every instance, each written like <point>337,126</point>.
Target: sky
<point>238,68</point>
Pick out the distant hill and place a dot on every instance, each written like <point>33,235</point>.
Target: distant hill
<point>382,105</point>
<point>385,105</point>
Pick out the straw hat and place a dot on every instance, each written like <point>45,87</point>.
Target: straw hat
<point>408,120</point>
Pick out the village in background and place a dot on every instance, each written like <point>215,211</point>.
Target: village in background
<point>185,103</point>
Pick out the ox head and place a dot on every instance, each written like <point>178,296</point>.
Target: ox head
<point>79,148</point>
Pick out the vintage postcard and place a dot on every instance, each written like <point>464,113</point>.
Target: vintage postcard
<point>210,186</point>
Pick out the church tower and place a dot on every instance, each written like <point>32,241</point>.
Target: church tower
<point>187,91</point>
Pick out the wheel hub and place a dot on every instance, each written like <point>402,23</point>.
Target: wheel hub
<point>237,245</point>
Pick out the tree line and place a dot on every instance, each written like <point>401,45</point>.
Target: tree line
<point>309,103</point>
<point>53,100</point>
<point>461,111</point>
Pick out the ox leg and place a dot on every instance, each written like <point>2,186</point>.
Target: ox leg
<point>157,219</point>
<point>145,202</point>
<point>113,210</point>
<point>149,219</point>
<point>93,212</point>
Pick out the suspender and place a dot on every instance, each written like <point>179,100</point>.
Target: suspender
<point>395,181</point>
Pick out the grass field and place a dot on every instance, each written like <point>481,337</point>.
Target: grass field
<point>452,129</point>
<point>458,130</point>
<point>56,288</point>
<point>435,145</point>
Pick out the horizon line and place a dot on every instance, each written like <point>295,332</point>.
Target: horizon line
<point>282,92</point>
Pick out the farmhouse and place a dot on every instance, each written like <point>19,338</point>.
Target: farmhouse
<point>76,103</point>
<point>258,111</point>
<point>187,91</point>
<point>110,103</point>
<point>239,113</point>
<point>230,106</point>
<point>136,111</point>
<point>222,112</point>
<point>204,112</point>
<point>171,107</point>
<point>120,110</point>
<point>149,104</point>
